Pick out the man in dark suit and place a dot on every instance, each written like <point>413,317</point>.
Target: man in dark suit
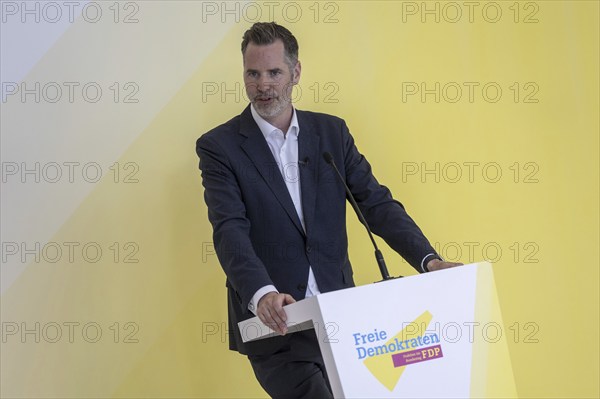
<point>279,213</point>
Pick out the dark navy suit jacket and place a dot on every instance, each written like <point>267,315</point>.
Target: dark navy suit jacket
<point>257,233</point>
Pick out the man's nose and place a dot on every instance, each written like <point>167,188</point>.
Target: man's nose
<point>264,83</point>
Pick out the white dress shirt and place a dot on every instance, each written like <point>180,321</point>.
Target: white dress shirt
<point>285,151</point>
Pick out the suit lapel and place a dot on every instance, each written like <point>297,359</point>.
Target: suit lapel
<point>308,150</point>
<point>256,148</point>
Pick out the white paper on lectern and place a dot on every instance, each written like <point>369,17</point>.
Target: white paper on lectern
<point>300,317</point>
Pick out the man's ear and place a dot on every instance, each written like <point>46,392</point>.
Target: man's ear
<point>296,73</point>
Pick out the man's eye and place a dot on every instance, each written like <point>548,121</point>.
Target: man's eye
<point>275,73</point>
<point>252,74</point>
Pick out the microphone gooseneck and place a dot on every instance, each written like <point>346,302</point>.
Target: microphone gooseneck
<point>378,255</point>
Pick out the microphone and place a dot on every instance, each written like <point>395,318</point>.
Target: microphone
<point>305,162</point>
<point>378,255</point>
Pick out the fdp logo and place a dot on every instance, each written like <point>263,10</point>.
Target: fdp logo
<point>387,357</point>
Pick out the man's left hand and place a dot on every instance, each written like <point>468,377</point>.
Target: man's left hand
<point>436,264</point>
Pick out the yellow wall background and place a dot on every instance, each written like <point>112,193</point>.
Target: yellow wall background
<point>537,220</point>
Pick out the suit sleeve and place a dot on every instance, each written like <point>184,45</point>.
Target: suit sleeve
<point>231,229</point>
<point>386,216</point>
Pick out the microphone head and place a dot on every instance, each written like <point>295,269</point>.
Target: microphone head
<point>328,157</point>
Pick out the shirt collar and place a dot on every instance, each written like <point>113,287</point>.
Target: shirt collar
<point>266,128</point>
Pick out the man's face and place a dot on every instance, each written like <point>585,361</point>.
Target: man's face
<point>268,79</point>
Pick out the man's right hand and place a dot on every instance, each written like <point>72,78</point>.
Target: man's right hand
<point>270,311</point>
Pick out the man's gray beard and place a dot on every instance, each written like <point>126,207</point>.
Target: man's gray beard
<point>271,110</point>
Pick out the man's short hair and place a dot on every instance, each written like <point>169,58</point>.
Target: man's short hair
<point>263,33</point>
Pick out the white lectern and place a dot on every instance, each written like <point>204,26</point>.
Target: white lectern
<point>437,334</point>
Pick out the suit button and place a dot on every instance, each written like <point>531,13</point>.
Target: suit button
<point>302,287</point>
<point>308,249</point>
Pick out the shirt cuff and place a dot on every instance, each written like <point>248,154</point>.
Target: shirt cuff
<point>259,294</point>
<point>426,260</point>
